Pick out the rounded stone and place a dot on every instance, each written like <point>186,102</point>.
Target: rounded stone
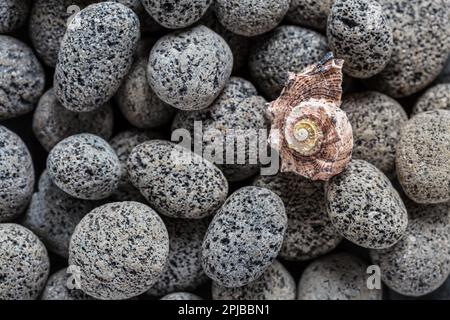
<point>420,262</point>
<point>183,270</point>
<point>84,166</point>
<point>175,181</point>
<point>309,233</point>
<point>53,215</point>
<point>359,32</point>
<point>148,24</point>
<point>13,14</point>
<point>423,158</point>
<point>181,296</point>
<point>24,263</point>
<point>176,14</point>
<point>95,55</point>
<point>283,50</point>
<point>339,276</point>
<point>250,18</point>
<point>53,123</point>
<point>120,249</point>
<point>22,78</point>
<point>376,120</point>
<point>188,69</point>
<point>276,283</point>
<point>421,30</point>
<point>244,237</point>
<point>365,208</point>
<point>56,288</point>
<point>137,101</point>
<point>435,98</point>
<point>441,293</point>
<point>238,87</point>
<point>309,13</point>
<point>16,175</point>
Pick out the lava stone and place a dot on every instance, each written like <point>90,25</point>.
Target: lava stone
<point>309,13</point>
<point>181,296</point>
<point>13,14</point>
<point>435,98</point>
<point>56,288</point>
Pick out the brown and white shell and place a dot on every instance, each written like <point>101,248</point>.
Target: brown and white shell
<point>310,132</point>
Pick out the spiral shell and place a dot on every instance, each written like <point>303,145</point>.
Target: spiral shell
<point>310,132</point>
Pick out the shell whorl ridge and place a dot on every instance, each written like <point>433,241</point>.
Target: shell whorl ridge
<point>310,132</point>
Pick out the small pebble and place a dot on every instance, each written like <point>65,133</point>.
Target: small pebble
<point>244,237</point>
<point>188,69</point>
<point>310,13</point>
<point>435,98</point>
<point>276,283</point>
<point>423,158</point>
<point>13,14</point>
<point>365,208</point>
<point>56,288</point>
<point>24,263</point>
<point>181,296</point>
<point>84,166</point>
<point>120,248</point>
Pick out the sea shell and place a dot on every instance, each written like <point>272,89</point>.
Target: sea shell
<point>310,132</point>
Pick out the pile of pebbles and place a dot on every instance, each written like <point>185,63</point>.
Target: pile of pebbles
<point>98,202</point>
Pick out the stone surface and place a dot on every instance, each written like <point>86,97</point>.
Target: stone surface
<point>309,13</point>
<point>13,14</point>
<point>181,296</point>
<point>56,288</point>
<point>435,98</point>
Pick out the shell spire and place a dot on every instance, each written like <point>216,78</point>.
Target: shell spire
<point>310,132</point>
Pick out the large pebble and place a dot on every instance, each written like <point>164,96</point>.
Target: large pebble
<point>365,208</point>
<point>435,98</point>
<point>13,14</point>
<point>309,13</point>
<point>244,237</point>
<point>56,288</point>
<point>95,55</point>
<point>120,249</point>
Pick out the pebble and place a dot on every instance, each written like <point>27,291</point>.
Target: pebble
<point>250,18</point>
<point>188,69</point>
<point>84,166</point>
<point>285,49</point>
<point>365,208</point>
<point>423,159</point>
<point>120,250</point>
<point>244,237</point>
<point>24,263</point>
<point>339,276</point>
<point>53,123</point>
<point>175,181</point>
<point>181,296</point>
<point>310,232</point>
<point>435,98</point>
<point>56,288</point>
<point>276,283</point>
<point>137,101</point>
<point>176,14</point>
<point>95,55</point>
<point>420,262</point>
<point>309,13</point>
<point>359,32</point>
<point>16,175</point>
<point>441,293</point>
<point>376,120</point>
<point>183,271</point>
<point>22,78</point>
<point>13,14</point>
<point>421,30</point>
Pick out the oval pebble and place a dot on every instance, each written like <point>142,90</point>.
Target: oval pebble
<point>244,237</point>
<point>13,14</point>
<point>181,296</point>
<point>309,13</point>
<point>435,98</point>
<point>120,250</point>
<point>56,288</point>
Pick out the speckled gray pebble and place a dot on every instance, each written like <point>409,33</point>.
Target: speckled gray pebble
<point>175,181</point>
<point>359,32</point>
<point>376,120</point>
<point>120,249</point>
<point>84,166</point>
<point>435,98</point>
<point>188,69</point>
<point>53,123</point>
<point>364,206</point>
<point>238,87</point>
<point>276,283</point>
<point>56,288</point>
<point>244,237</point>
<point>137,101</point>
<point>420,262</point>
<point>24,263</point>
<point>53,215</point>
<point>13,14</point>
<point>16,175</point>
<point>310,232</point>
<point>181,296</point>
<point>339,276</point>
<point>250,18</point>
<point>441,293</point>
<point>309,13</point>
<point>423,157</point>
<point>95,55</point>
<point>285,49</point>
<point>421,30</point>
<point>22,78</point>
<point>184,270</point>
